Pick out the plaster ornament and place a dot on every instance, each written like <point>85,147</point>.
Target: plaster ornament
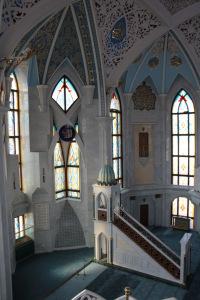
<point>191,31</point>
<point>175,61</point>
<point>153,62</point>
<point>172,45</point>
<point>14,11</point>
<point>176,5</point>
<point>158,47</point>
<point>144,98</point>
<point>137,22</point>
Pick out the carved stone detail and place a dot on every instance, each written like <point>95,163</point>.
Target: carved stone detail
<point>191,30</point>
<point>137,20</point>
<point>14,11</point>
<point>144,98</point>
<point>173,6</point>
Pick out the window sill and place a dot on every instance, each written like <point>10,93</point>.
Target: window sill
<point>68,199</point>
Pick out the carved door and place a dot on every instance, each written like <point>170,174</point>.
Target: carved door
<point>144,214</point>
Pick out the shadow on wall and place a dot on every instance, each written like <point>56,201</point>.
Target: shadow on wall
<point>69,232</point>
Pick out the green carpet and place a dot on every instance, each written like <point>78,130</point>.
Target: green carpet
<point>110,284</point>
<point>38,276</point>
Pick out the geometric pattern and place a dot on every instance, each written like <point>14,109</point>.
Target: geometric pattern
<point>137,20</point>
<point>173,6</point>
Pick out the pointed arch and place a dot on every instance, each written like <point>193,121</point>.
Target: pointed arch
<point>116,113</point>
<point>59,171</point>
<point>184,208</point>
<point>183,139</point>
<point>73,170</point>
<point>102,201</point>
<point>65,93</point>
<point>14,136</point>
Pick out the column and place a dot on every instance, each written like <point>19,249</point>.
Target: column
<point>105,140</point>
<point>89,158</point>
<point>96,247</point>
<point>197,115</point>
<point>165,141</point>
<point>110,254</point>
<point>5,265</point>
<point>128,150</point>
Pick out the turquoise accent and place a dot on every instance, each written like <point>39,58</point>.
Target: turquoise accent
<point>106,176</point>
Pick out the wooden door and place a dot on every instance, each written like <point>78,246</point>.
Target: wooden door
<point>144,214</point>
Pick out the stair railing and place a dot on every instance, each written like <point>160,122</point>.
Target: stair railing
<point>147,245</point>
<point>153,238</point>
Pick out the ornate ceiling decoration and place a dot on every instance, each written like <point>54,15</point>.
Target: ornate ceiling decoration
<point>191,31</point>
<point>15,10</point>
<point>173,6</point>
<point>42,41</point>
<point>121,25</point>
<point>86,39</point>
<point>67,46</point>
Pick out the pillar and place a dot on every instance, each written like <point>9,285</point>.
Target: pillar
<point>105,140</point>
<point>165,141</point>
<point>5,265</point>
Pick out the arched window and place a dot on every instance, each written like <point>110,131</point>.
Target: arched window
<point>67,171</point>
<point>183,140</point>
<point>64,93</point>
<point>115,112</point>
<point>59,171</point>
<point>183,207</point>
<point>14,143</point>
<point>73,176</point>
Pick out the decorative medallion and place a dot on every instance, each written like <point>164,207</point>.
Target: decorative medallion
<point>153,62</point>
<point>67,133</point>
<point>144,98</point>
<point>118,32</point>
<point>175,61</point>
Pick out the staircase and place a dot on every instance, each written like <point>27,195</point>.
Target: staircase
<point>148,242</point>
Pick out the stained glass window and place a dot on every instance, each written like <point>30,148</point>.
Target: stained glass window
<point>67,175</point>
<point>183,207</point>
<point>64,93</point>
<point>115,112</point>
<point>183,140</point>
<point>14,145</point>
<point>59,171</point>
<point>73,172</point>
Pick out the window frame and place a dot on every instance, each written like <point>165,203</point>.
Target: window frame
<point>182,216</point>
<point>72,166</point>
<point>55,86</point>
<point>58,167</point>
<point>23,231</point>
<point>118,158</point>
<point>16,137</point>
<point>178,134</point>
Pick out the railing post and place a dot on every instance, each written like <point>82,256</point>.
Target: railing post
<point>185,257</point>
<point>127,291</point>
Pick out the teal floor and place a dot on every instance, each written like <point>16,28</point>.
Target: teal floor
<point>49,276</point>
<point>40,275</point>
